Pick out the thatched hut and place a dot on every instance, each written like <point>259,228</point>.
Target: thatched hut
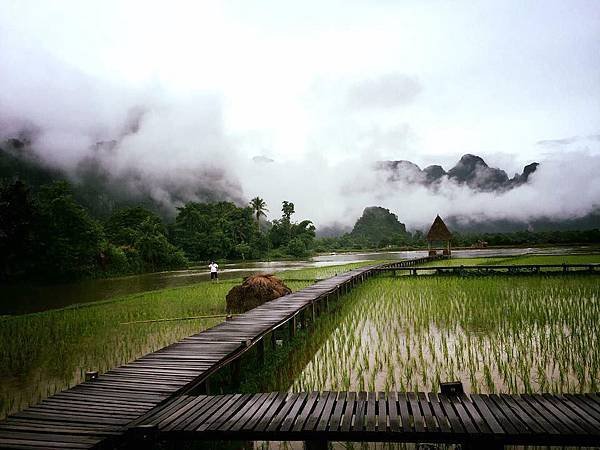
<point>438,238</point>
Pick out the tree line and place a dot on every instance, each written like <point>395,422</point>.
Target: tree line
<point>416,240</point>
<point>46,234</point>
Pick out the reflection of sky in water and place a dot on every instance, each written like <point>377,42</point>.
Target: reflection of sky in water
<point>25,298</point>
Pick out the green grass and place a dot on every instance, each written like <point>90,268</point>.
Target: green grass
<point>495,334</point>
<point>46,352</point>
<point>526,259</point>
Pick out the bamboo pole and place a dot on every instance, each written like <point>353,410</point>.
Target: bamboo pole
<point>213,316</point>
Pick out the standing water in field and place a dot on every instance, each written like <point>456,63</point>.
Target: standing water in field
<point>23,299</point>
<point>495,334</point>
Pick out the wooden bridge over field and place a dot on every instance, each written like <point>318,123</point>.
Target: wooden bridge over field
<point>475,421</point>
<point>516,269</point>
<point>100,412</point>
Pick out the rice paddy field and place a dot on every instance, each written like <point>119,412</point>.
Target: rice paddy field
<point>509,334</point>
<point>43,353</point>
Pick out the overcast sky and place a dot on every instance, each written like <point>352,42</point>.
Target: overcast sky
<point>332,81</point>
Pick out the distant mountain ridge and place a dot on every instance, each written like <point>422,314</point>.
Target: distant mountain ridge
<point>102,192</point>
<point>471,170</point>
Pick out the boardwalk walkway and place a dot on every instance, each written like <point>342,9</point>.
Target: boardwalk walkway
<point>99,410</point>
<point>479,421</point>
<point>513,269</point>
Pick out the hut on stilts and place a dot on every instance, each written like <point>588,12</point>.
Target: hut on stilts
<point>438,238</point>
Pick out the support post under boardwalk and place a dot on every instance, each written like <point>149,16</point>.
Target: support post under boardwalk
<point>292,325</point>
<point>260,351</point>
<point>303,319</point>
<point>274,339</point>
<point>235,373</point>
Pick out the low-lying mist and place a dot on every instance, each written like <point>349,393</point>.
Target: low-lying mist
<point>175,147</point>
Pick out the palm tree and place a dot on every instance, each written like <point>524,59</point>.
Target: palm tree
<point>260,207</point>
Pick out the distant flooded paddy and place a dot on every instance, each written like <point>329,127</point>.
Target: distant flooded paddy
<point>27,298</point>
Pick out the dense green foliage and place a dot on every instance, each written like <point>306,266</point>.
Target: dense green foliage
<point>518,238</point>
<point>378,226</point>
<point>389,239</point>
<point>45,233</point>
<point>48,235</point>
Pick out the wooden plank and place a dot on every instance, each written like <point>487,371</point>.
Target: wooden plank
<point>190,414</point>
<point>392,410</point>
<point>475,416</point>
<point>506,416</point>
<point>465,419</point>
<point>381,412</point>
<point>440,416</point>
<point>336,417</point>
<point>418,420</point>
<point>581,413</point>
<point>349,412</point>
<point>225,409</point>
<point>290,417</point>
<point>271,397</point>
<point>532,413</point>
<point>175,417</point>
<point>23,443</point>
<point>371,412</point>
<point>271,412</point>
<point>488,415</point>
<point>359,417</point>
<point>405,416</point>
<point>248,403</point>
<point>278,419</point>
<point>327,412</point>
<point>579,400</point>
<point>554,415</point>
<point>531,423</point>
<point>427,413</point>
<point>305,411</point>
<point>315,415</point>
<point>455,422</point>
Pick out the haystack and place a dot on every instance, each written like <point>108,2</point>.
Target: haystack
<point>254,291</point>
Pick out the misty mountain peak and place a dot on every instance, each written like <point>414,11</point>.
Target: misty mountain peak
<point>471,170</point>
<point>434,173</point>
<point>377,222</point>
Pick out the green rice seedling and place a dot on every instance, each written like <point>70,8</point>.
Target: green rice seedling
<point>495,334</point>
<point>43,353</point>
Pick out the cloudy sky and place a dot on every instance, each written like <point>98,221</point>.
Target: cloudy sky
<point>322,88</point>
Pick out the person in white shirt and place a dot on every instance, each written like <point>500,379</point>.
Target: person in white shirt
<point>214,271</point>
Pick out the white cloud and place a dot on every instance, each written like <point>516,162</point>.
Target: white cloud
<point>323,88</point>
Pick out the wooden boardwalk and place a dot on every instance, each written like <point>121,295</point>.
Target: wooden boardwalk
<point>479,421</point>
<point>517,269</point>
<point>99,410</point>
<point>97,413</point>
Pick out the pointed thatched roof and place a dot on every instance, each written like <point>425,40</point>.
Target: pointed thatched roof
<point>439,231</point>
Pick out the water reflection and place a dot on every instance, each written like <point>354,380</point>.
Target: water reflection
<point>22,299</point>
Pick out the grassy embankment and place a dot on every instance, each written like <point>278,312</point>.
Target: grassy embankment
<point>46,352</point>
<point>495,334</point>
